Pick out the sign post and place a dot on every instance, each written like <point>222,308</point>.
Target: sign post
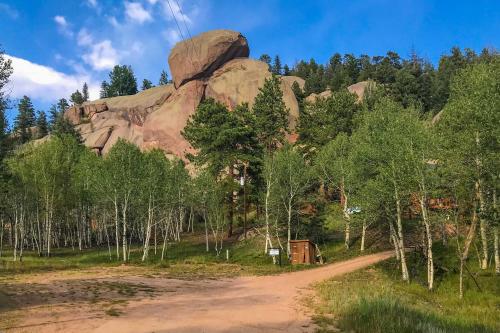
<point>275,252</point>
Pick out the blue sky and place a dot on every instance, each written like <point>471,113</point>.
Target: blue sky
<point>57,45</point>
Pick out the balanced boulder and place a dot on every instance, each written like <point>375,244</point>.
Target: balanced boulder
<point>200,56</point>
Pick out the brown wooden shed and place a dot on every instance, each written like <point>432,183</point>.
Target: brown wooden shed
<point>303,252</point>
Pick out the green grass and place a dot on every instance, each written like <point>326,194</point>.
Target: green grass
<point>376,300</point>
<point>185,259</point>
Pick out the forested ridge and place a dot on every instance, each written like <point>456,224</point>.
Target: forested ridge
<point>381,160</point>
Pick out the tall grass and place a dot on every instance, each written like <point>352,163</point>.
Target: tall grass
<point>376,300</point>
<point>389,315</point>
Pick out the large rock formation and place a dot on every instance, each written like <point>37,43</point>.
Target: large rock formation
<point>102,122</point>
<point>163,127</point>
<point>211,65</point>
<point>239,80</point>
<point>200,56</point>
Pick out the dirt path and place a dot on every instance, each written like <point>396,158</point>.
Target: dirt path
<point>244,304</point>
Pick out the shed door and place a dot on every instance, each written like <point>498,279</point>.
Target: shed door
<point>295,253</point>
<point>306,253</point>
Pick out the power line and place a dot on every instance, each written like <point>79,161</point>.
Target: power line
<point>175,19</point>
<point>183,17</point>
<point>179,28</point>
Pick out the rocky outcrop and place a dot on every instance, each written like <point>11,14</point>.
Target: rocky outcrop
<point>239,80</point>
<point>313,97</point>
<point>102,122</point>
<point>211,65</point>
<point>289,80</point>
<point>199,57</point>
<point>162,128</point>
<point>357,88</point>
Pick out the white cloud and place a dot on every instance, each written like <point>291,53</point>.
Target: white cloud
<point>102,56</point>
<point>63,25</point>
<point>153,2</point>
<point>114,22</point>
<point>92,3</point>
<point>171,7</point>
<point>61,21</point>
<point>10,11</point>
<point>172,36</point>
<point>136,12</point>
<point>84,38</point>
<point>46,83</point>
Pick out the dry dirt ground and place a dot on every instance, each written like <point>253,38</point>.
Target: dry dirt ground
<point>123,299</point>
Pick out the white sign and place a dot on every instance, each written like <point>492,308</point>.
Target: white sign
<point>274,252</point>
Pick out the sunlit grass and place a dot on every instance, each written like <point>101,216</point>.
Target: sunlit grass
<point>376,300</point>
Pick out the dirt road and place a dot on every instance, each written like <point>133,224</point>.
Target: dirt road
<point>244,304</point>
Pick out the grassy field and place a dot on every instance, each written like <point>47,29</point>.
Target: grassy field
<point>376,300</point>
<point>184,259</point>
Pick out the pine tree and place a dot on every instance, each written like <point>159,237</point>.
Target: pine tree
<point>62,105</point>
<point>276,68</point>
<point>122,81</point>
<point>42,124</point>
<point>103,93</point>
<point>271,114</point>
<point>5,72</point>
<point>24,120</point>
<point>267,59</point>
<point>163,78</point>
<point>286,70</point>
<point>77,98</point>
<point>85,92</point>
<point>53,115</point>
<point>146,84</point>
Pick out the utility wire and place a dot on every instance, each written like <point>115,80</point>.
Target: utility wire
<point>187,28</point>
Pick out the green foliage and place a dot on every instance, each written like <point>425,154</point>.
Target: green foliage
<point>271,114</point>
<point>122,82</point>
<point>24,120</point>
<point>332,162</point>
<point>286,70</point>
<point>292,177</point>
<point>60,125</point>
<point>267,59</point>
<point>410,81</point>
<point>42,124</point>
<point>163,78</point>
<point>77,98</point>
<point>471,118</point>
<point>103,93</point>
<point>62,105</point>
<point>146,84</point>
<point>5,140</point>
<point>276,68</point>
<point>321,121</point>
<point>85,92</point>
<point>222,138</point>
<point>299,94</point>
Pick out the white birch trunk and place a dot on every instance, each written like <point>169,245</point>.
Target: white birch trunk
<point>363,235</point>
<point>117,232</point>
<point>347,218</point>
<point>148,230</point>
<point>497,257</point>
<point>430,260</point>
